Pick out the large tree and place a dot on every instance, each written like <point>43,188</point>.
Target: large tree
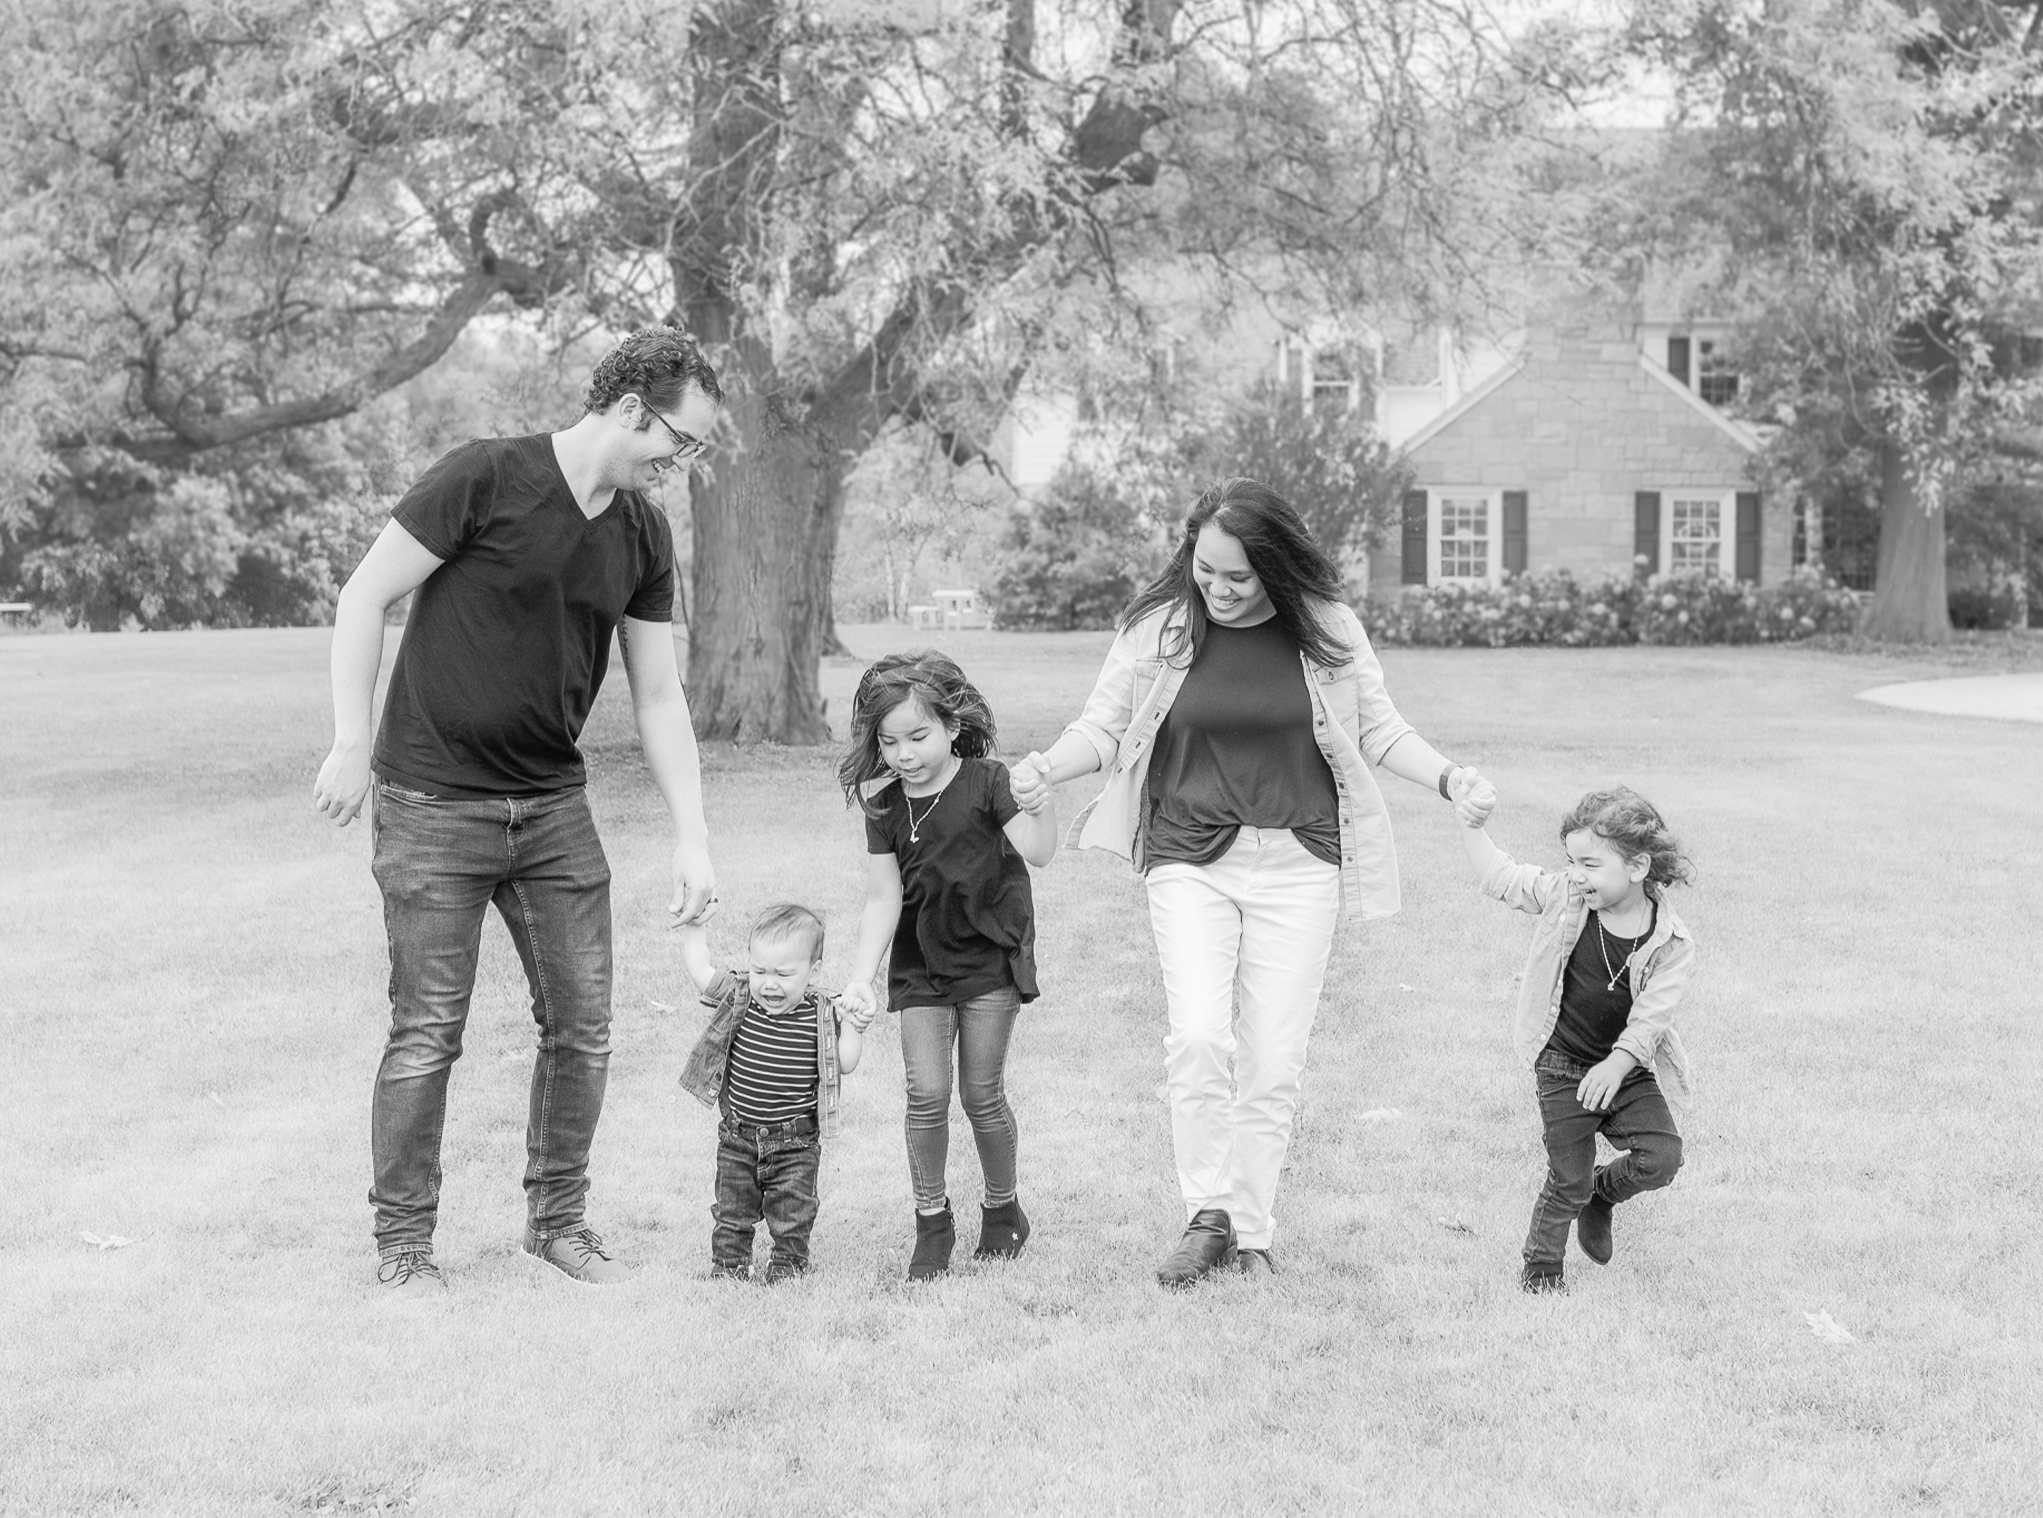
<point>1867,174</point>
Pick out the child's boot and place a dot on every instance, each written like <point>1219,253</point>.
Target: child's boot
<point>936,1235</point>
<point>1002,1231</point>
<point>1592,1227</point>
<point>1541,1278</point>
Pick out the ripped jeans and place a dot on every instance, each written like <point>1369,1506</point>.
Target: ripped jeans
<point>441,863</point>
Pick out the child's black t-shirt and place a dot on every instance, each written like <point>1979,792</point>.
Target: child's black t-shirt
<point>968,919</point>
<point>508,640</point>
<point>1593,1011</point>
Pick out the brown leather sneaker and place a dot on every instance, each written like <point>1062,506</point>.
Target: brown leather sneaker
<point>410,1273</point>
<point>580,1255</point>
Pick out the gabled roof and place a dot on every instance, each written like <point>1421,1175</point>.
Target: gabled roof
<point>1743,436</point>
<point>1462,407</point>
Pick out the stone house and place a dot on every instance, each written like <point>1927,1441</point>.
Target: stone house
<point>1583,448</point>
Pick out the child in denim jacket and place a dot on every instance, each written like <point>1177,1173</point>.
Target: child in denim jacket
<point>770,1061</point>
<point>1609,964</point>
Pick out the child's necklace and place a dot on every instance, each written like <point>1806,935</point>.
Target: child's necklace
<point>915,826</point>
<point>1624,964</point>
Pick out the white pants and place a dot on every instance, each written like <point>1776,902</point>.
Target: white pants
<point>1258,921</point>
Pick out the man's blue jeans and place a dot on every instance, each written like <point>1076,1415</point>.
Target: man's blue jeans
<point>441,864</point>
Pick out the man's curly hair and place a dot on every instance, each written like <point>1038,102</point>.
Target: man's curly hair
<point>658,364</point>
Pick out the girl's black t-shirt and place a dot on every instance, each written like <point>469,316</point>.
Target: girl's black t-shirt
<point>508,640</point>
<point>1593,1011</point>
<point>1237,749</point>
<point>968,919</point>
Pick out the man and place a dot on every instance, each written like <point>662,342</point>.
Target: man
<point>527,554</point>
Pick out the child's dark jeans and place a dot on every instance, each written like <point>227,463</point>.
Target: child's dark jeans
<point>1637,1122</point>
<point>765,1173</point>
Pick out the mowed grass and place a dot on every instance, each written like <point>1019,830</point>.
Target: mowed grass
<point>193,990</point>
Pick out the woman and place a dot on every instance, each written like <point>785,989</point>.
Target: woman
<point>1237,717</point>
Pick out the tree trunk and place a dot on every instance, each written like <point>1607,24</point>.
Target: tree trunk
<point>1910,601</point>
<point>765,543</point>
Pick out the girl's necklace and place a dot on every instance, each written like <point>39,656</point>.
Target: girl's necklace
<point>1631,947</point>
<point>915,826</point>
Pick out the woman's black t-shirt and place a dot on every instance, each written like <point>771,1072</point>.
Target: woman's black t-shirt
<point>1237,749</point>
<point>1593,1011</point>
<point>968,920</point>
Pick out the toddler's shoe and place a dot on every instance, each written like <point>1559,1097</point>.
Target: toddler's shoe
<point>1541,1278</point>
<point>1208,1242</point>
<point>579,1254</point>
<point>729,1272</point>
<point>1002,1231</point>
<point>410,1273</point>
<point>784,1270</point>
<point>1592,1229</point>
<point>936,1234</point>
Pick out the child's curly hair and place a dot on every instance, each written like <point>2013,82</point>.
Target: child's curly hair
<point>926,676</point>
<point>657,364</point>
<point>1632,822</point>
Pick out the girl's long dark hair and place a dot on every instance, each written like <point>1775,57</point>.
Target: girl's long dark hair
<point>927,676</point>
<point>1294,569</point>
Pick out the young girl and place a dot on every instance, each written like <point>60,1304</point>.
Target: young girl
<point>946,882</point>
<point>1609,965</point>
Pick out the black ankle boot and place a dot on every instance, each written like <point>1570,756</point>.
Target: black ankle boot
<point>935,1236</point>
<point>1002,1231</point>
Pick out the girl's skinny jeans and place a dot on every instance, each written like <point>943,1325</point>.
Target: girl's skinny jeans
<point>979,1030</point>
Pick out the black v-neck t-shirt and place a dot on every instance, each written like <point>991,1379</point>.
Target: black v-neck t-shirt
<point>1237,749</point>
<point>968,918</point>
<point>509,639</point>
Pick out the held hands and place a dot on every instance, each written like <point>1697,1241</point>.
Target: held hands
<point>1599,1087</point>
<point>858,1004</point>
<point>695,898</point>
<point>1474,797</point>
<point>1029,779</point>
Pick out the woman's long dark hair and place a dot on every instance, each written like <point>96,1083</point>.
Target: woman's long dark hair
<point>1294,569</point>
<point>927,676</point>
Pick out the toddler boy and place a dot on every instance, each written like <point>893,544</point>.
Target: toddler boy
<point>770,1061</point>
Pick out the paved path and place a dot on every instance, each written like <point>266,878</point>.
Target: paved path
<point>2015,698</point>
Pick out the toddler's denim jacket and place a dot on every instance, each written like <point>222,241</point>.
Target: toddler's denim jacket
<point>1660,969</point>
<point>729,998</point>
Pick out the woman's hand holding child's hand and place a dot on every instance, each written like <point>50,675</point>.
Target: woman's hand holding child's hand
<point>1474,797</point>
<point>1599,1086</point>
<point>1029,779</point>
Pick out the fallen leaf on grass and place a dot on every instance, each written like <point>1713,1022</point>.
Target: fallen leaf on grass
<point>1381,1115</point>
<point>1403,987</point>
<point>214,1098</point>
<point>1454,1225</point>
<point>660,1006</point>
<point>1827,1328</point>
<point>111,1241</point>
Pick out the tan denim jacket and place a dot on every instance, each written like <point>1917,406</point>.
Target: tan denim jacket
<point>729,998</point>
<point>1353,721</point>
<point>1660,969</point>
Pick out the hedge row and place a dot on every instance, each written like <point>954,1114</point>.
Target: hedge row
<point>1557,608</point>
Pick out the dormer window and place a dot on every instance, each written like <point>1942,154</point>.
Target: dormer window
<point>1715,380</point>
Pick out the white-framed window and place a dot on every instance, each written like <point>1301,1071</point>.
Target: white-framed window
<point>1699,531</point>
<point>1464,531</point>
<point>1715,380</point>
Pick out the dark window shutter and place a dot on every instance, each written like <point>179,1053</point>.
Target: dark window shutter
<point>1748,535</point>
<point>1646,528</point>
<point>1415,537</point>
<point>1677,358</point>
<point>1514,532</point>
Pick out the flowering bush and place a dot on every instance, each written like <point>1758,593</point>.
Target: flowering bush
<point>1555,608</point>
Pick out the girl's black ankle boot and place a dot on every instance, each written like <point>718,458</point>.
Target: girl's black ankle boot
<point>1002,1231</point>
<point>936,1234</point>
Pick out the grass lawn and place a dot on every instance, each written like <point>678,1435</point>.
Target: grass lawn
<point>192,987</point>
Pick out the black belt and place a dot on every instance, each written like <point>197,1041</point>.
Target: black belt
<point>799,1127</point>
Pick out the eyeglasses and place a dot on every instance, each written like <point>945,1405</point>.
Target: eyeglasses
<point>686,448</point>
